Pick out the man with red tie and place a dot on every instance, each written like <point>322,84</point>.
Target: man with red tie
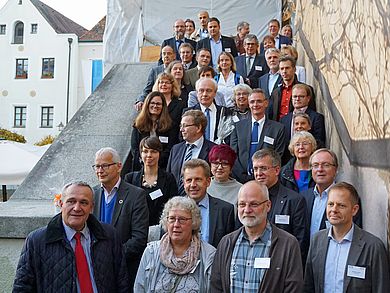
<point>74,252</point>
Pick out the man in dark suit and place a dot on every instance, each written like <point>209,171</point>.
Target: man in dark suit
<point>280,40</point>
<point>206,90</point>
<point>280,101</point>
<point>324,164</point>
<point>345,258</point>
<point>251,65</point>
<point>168,56</point>
<point>122,205</point>
<point>216,43</point>
<point>194,145</point>
<point>301,95</point>
<point>288,208</point>
<point>217,215</point>
<point>179,29</point>
<point>270,81</point>
<point>187,56</point>
<point>250,135</point>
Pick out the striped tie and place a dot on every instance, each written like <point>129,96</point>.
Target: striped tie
<point>187,157</point>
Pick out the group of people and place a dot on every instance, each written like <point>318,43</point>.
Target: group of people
<point>229,175</point>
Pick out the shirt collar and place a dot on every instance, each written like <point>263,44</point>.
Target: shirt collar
<point>198,143</point>
<point>259,121</point>
<point>211,107</point>
<point>325,192</point>
<point>204,202</point>
<point>347,237</point>
<point>263,237</point>
<point>70,232</point>
<point>116,187</point>
<point>301,110</point>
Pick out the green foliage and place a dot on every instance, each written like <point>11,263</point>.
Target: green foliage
<point>48,139</point>
<point>12,136</point>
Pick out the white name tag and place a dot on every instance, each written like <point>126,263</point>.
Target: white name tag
<point>156,194</point>
<point>163,139</point>
<point>356,272</point>
<point>228,50</point>
<point>282,219</point>
<point>235,118</point>
<point>258,68</point>
<point>262,263</point>
<point>269,140</point>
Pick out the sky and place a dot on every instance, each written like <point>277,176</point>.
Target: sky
<point>87,13</point>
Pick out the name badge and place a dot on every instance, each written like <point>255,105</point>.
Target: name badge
<point>228,50</point>
<point>163,139</point>
<point>269,140</point>
<point>156,194</point>
<point>356,272</point>
<point>262,263</point>
<point>235,118</point>
<point>258,68</point>
<point>282,219</point>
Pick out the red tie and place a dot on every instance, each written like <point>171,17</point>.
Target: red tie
<point>82,266</point>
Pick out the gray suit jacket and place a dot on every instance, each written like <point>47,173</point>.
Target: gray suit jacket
<point>240,140</point>
<point>192,76</point>
<point>366,251</point>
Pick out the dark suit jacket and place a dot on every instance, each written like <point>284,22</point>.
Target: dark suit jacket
<point>176,157</point>
<point>366,251</point>
<point>154,72</point>
<point>317,125</point>
<point>221,219</point>
<point>172,42</point>
<point>165,182</point>
<point>240,140</point>
<point>130,218</point>
<point>263,83</point>
<point>276,97</point>
<point>175,109</point>
<point>309,197</point>
<point>228,44</point>
<point>259,68</point>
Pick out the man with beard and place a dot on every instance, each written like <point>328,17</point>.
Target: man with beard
<point>258,257</point>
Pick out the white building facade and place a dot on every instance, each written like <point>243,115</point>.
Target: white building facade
<point>40,67</point>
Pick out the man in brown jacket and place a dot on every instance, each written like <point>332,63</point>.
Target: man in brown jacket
<point>259,257</point>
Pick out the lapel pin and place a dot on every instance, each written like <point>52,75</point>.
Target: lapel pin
<point>120,201</point>
<point>281,201</point>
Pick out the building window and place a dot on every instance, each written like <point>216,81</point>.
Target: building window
<point>20,117</point>
<point>47,117</point>
<point>21,68</point>
<point>47,67</point>
<point>34,28</point>
<point>2,29</point>
<point>19,33</point>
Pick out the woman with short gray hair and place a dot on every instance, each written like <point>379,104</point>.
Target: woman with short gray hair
<point>240,96</point>
<point>180,261</point>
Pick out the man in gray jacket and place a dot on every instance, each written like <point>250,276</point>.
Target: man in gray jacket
<point>259,257</point>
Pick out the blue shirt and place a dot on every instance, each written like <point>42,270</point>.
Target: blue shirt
<point>216,49</point>
<point>271,81</point>
<point>319,207</point>
<point>204,205</point>
<point>336,261</point>
<point>86,244</point>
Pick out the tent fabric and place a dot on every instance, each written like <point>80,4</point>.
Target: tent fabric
<point>17,160</point>
<point>132,24</point>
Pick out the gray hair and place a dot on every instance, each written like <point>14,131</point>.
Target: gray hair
<point>206,78</point>
<point>75,183</point>
<point>272,50</point>
<point>182,203</point>
<point>325,150</point>
<point>250,37</point>
<point>242,24</point>
<point>302,135</point>
<point>107,150</point>
<point>241,87</point>
<point>260,154</point>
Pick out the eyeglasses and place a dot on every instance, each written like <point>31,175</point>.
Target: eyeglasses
<point>304,143</point>
<point>297,97</point>
<point>250,44</point>
<point>223,164</point>
<point>155,104</point>
<point>185,125</point>
<point>316,166</point>
<point>241,95</point>
<point>182,220</point>
<point>262,168</point>
<point>252,205</point>
<point>164,82</point>
<point>103,166</point>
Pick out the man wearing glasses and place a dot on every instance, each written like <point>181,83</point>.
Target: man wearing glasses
<point>324,164</point>
<point>122,205</point>
<point>258,257</point>
<point>288,208</point>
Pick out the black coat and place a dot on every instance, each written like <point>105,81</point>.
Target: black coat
<point>47,262</point>
<point>287,176</point>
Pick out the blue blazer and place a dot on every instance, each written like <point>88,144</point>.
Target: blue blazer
<point>258,69</point>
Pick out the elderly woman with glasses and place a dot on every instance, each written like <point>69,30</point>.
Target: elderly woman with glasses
<point>153,120</point>
<point>296,174</point>
<point>180,261</point>
<point>222,185</point>
<point>241,110</point>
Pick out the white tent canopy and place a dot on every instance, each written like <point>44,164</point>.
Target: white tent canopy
<point>132,24</point>
<point>17,160</point>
